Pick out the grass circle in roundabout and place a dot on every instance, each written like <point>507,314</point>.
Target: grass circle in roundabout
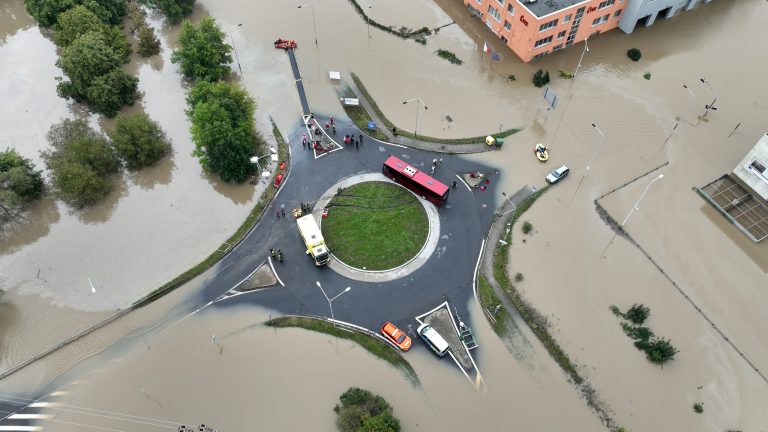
<point>375,226</point>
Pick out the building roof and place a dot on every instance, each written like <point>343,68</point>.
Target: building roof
<point>542,8</point>
<point>753,169</point>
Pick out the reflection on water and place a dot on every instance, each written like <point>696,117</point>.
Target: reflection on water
<point>30,227</point>
<point>13,18</point>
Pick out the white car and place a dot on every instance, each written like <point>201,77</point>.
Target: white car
<point>556,175</point>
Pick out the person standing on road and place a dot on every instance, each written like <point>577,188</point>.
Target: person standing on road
<point>361,139</point>
<point>280,255</point>
<point>454,184</point>
<point>357,144</point>
<point>304,140</point>
<point>327,126</point>
<point>282,212</point>
<point>331,120</point>
<point>272,252</point>
<point>333,128</point>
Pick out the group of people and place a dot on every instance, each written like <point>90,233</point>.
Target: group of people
<point>276,255</point>
<point>435,163</point>
<point>350,140</point>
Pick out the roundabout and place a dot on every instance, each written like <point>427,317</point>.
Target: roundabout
<point>381,244</point>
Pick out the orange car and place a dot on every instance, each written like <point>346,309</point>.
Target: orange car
<point>396,335</point>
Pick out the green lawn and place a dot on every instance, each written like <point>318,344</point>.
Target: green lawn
<point>375,225</point>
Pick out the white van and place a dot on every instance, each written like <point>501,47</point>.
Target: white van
<point>433,339</point>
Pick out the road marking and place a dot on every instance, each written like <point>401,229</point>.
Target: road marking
<point>477,266</point>
<point>465,183</point>
<point>29,416</point>
<point>21,428</point>
<point>274,272</point>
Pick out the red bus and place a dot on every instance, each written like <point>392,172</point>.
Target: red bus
<point>417,181</point>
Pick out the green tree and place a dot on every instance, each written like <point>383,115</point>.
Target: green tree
<point>95,76</point>
<point>139,140</point>
<point>20,184</point>
<point>46,12</point>
<point>149,44</point>
<point>81,163</point>
<point>223,129</point>
<point>79,20</point>
<point>202,53</point>
<point>634,54</point>
<point>363,411</point>
<point>174,10</point>
<point>540,78</point>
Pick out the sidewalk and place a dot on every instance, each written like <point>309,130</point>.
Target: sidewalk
<point>410,142</point>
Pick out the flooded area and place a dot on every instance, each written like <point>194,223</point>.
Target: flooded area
<point>265,375</point>
<point>159,222</point>
<point>154,225</point>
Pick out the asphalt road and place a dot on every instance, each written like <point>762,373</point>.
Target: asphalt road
<point>447,275</point>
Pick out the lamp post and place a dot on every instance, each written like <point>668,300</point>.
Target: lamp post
<point>508,198</point>
<point>632,210</point>
<point>710,107</point>
<point>93,291</point>
<point>584,51</point>
<point>235,50</point>
<point>689,90</point>
<point>330,300</point>
<point>415,128</point>
<point>602,139</point>
<point>314,24</point>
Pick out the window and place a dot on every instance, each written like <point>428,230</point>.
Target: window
<point>557,48</point>
<point>494,13</point>
<point>561,35</point>
<point>600,20</point>
<point>605,4</point>
<point>542,42</point>
<point>617,13</point>
<point>510,9</point>
<point>547,25</point>
<point>501,2</point>
<point>507,25</point>
<point>567,18</point>
<point>759,168</point>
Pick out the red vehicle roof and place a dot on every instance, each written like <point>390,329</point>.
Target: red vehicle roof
<point>417,175</point>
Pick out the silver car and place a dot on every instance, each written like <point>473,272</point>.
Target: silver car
<point>556,175</point>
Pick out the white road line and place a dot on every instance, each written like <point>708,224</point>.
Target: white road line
<point>477,266</point>
<point>20,428</point>
<point>29,416</point>
<point>274,272</point>
<point>465,183</point>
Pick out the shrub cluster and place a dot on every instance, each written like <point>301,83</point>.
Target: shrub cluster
<point>93,51</point>
<point>82,161</point>
<point>174,10</point>
<point>363,411</point>
<point>20,184</point>
<point>658,350</point>
<point>634,54</point>
<point>451,57</point>
<point>540,78</point>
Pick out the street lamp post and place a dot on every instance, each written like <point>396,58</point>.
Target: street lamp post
<point>415,128</point>
<point>710,107</point>
<point>584,51</point>
<point>508,198</point>
<point>314,24</point>
<point>632,210</point>
<point>602,139</point>
<point>93,291</point>
<point>330,300</point>
<point>368,22</point>
<point>235,50</point>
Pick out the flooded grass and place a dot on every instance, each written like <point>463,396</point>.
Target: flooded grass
<point>489,301</point>
<point>451,57</point>
<point>535,320</point>
<point>371,344</point>
<point>360,116</point>
<point>234,239</point>
<point>401,132</point>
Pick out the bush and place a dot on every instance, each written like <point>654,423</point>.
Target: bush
<point>638,313</point>
<point>174,10</point>
<point>149,44</point>
<point>647,76</point>
<point>20,184</point>
<point>78,21</point>
<point>81,162</point>
<point>658,351</point>
<point>139,140</point>
<point>223,129</point>
<point>698,407</point>
<point>202,54</point>
<point>540,78</point>
<point>95,74</point>
<point>519,277</point>
<point>527,227</point>
<point>46,12</point>
<point>451,57</point>
<point>637,332</point>
<point>511,77</point>
<point>615,310</point>
<point>363,411</point>
<point>634,54</point>
<point>565,74</point>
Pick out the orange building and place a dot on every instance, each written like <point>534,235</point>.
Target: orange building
<point>535,28</point>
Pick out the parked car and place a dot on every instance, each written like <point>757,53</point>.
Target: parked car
<point>433,339</point>
<point>396,336</point>
<point>557,175</point>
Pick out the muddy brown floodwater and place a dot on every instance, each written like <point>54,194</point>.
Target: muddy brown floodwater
<point>155,224</point>
<point>724,275</point>
<point>290,379</point>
